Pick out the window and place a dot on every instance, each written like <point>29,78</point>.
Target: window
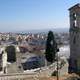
<point>75,23</point>
<point>74,20</point>
<point>74,16</point>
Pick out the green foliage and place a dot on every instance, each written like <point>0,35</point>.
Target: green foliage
<point>11,53</point>
<point>73,78</point>
<point>12,39</point>
<point>51,47</point>
<point>62,64</point>
<point>54,73</point>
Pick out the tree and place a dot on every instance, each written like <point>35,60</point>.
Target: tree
<point>51,47</point>
<point>11,38</point>
<point>11,53</point>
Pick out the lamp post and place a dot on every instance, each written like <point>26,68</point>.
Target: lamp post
<point>57,61</point>
<point>57,65</point>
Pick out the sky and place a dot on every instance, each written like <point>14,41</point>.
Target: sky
<point>17,15</point>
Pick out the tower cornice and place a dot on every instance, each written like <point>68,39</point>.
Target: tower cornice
<point>75,6</point>
<point>75,29</point>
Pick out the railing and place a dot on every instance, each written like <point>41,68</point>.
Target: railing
<point>44,72</point>
<point>19,76</point>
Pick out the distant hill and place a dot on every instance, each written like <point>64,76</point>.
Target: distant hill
<point>56,30</point>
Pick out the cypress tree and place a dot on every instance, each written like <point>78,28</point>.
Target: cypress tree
<point>11,53</point>
<point>51,47</point>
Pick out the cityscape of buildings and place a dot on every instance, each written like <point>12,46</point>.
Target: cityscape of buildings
<point>22,55</point>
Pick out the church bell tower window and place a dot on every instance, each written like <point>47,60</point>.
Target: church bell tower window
<point>74,20</point>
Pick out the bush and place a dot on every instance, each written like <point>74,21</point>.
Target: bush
<point>54,73</point>
<point>73,78</point>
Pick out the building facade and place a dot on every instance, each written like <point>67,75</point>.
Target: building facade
<point>74,61</point>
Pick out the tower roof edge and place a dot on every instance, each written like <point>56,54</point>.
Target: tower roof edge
<point>75,6</point>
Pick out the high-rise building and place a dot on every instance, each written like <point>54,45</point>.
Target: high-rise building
<point>74,61</point>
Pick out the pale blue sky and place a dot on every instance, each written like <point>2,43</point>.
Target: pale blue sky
<point>17,15</point>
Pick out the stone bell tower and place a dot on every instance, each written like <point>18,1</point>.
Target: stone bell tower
<point>74,61</point>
